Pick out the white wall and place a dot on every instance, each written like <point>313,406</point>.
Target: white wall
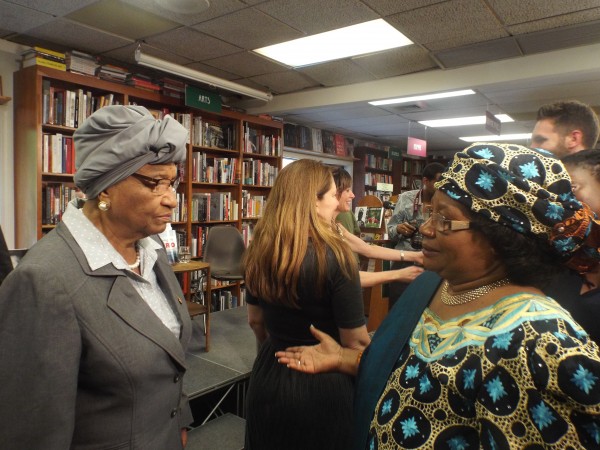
<point>9,54</point>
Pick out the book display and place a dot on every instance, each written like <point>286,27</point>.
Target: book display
<point>231,156</point>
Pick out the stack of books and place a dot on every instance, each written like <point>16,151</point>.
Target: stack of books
<point>39,56</point>
<point>81,62</point>
<point>172,88</point>
<point>112,73</point>
<point>142,82</point>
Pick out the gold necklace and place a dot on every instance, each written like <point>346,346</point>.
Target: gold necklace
<point>469,296</point>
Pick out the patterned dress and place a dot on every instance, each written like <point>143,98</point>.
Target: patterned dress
<point>520,374</point>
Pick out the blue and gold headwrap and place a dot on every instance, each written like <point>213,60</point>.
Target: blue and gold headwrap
<point>526,189</point>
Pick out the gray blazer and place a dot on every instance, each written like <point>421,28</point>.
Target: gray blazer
<point>85,363</point>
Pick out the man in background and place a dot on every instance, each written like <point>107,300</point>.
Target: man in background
<point>565,127</point>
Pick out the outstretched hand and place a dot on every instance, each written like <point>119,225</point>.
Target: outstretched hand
<point>323,357</point>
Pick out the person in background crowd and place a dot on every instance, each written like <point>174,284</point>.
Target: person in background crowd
<point>343,182</point>
<point>298,271</point>
<point>565,127</point>
<point>5,262</point>
<point>93,326</point>
<point>474,355</point>
<point>408,214</point>
<point>580,293</point>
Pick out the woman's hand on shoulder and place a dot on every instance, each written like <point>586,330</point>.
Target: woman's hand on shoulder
<point>408,274</point>
<point>416,257</point>
<point>323,357</point>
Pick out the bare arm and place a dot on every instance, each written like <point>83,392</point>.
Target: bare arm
<point>374,251</point>
<point>406,275</point>
<point>256,322</point>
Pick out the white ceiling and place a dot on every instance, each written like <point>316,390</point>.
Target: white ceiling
<point>517,55</point>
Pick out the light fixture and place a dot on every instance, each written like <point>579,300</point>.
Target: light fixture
<point>494,138</point>
<point>195,75</point>
<point>460,121</point>
<point>416,98</point>
<point>368,37</point>
<point>184,6</point>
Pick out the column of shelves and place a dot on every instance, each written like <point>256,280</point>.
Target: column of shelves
<point>372,166</point>
<point>411,174</point>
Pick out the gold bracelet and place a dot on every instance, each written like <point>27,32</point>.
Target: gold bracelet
<point>358,358</point>
<point>401,255</point>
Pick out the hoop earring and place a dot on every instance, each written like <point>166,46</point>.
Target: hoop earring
<point>103,206</point>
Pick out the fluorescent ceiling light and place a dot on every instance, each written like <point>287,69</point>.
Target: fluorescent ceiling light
<point>458,121</point>
<point>195,75</point>
<point>494,138</point>
<point>367,37</point>
<point>416,98</point>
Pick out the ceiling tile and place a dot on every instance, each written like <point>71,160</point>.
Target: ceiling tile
<point>245,64</point>
<point>316,16</point>
<point>337,73</point>
<point>354,113</point>
<point>57,8</point>
<point>89,40</point>
<point>449,24</point>
<point>122,19</point>
<point>17,19</point>
<point>249,29</point>
<point>283,82</point>
<point>216,9</point>
<point>387,7</point>
<point>513,12</point>
<point>478,53</point>
<point>213,71</point>
<point>192,44</point>
<point>397,61</point>
<point>556,22</point>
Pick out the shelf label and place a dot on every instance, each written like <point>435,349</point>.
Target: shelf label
<point>201,99</point>
<point>416,147</point>
<point>386,187</point>
<point>395,153</point>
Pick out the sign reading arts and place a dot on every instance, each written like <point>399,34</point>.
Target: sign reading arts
<point>201,99</point>
<point>416,147</point>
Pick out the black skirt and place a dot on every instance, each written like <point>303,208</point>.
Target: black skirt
<point>289,410</point>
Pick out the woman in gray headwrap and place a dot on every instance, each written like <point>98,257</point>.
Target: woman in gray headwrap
<point>474,355</point>
<point>93,326</point>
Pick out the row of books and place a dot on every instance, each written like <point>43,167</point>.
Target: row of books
<point>69,108</point>
<point>322,141</point>
<point>413,166</point>
<point>55,197</point>
<point>247,232</point>
<point>371,179</point>
<point>263,144</point>
<point>58,155</point>
<point>209,169</point>
<point>179,213</point>
<point>377,162</point>
<point>213,206</point>
<point>213,134</point>
<point>258,173</point>
<point>252,205</point>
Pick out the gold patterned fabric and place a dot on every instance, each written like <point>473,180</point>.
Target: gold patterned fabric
<point>520,374</point>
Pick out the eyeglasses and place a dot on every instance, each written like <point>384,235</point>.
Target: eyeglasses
<point>159,186</point>
<point>441,224</point>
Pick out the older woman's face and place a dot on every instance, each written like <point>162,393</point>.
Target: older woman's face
<point>136,209</point>
<point>457,256</point>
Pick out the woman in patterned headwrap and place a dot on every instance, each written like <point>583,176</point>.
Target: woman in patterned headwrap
<point>93,329</point>
<point>474,355</point>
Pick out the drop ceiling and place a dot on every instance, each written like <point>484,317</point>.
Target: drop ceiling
<point>516,54</point>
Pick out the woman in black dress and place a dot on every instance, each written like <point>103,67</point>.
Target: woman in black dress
<point>300,272</point>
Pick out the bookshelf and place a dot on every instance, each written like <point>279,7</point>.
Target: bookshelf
<point>408,173</point>
<point>371,166</point>
<point>219,155</point>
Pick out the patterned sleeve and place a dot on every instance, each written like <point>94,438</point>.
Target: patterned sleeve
<point>547,392</point>
<point>399,216</point>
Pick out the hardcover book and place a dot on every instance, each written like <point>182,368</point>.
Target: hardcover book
<point>374,217</point>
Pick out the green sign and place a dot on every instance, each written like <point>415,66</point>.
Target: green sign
<point>395,153</point>
<point>198,98</point>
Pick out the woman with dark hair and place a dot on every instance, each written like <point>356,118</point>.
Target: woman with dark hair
<point>474,355</point>
<point>300,271</point>
<point>345,223</point>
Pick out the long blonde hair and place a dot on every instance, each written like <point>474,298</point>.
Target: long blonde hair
<point>273,259</point>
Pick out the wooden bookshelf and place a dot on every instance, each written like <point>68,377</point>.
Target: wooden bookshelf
<point>371,166</point>
<point>32,127</point>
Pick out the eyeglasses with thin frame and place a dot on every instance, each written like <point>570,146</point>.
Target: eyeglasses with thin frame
<point>159,186</point>
<point>441,224</point>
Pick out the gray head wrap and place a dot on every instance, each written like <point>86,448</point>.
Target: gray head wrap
<point>116,141</point>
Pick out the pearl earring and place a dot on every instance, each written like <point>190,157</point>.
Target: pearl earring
<point>103,206</point>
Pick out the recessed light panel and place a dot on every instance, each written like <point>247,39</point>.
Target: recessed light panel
<point>459,121</point>
<point>416,98</point>
<point>492,138</point>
